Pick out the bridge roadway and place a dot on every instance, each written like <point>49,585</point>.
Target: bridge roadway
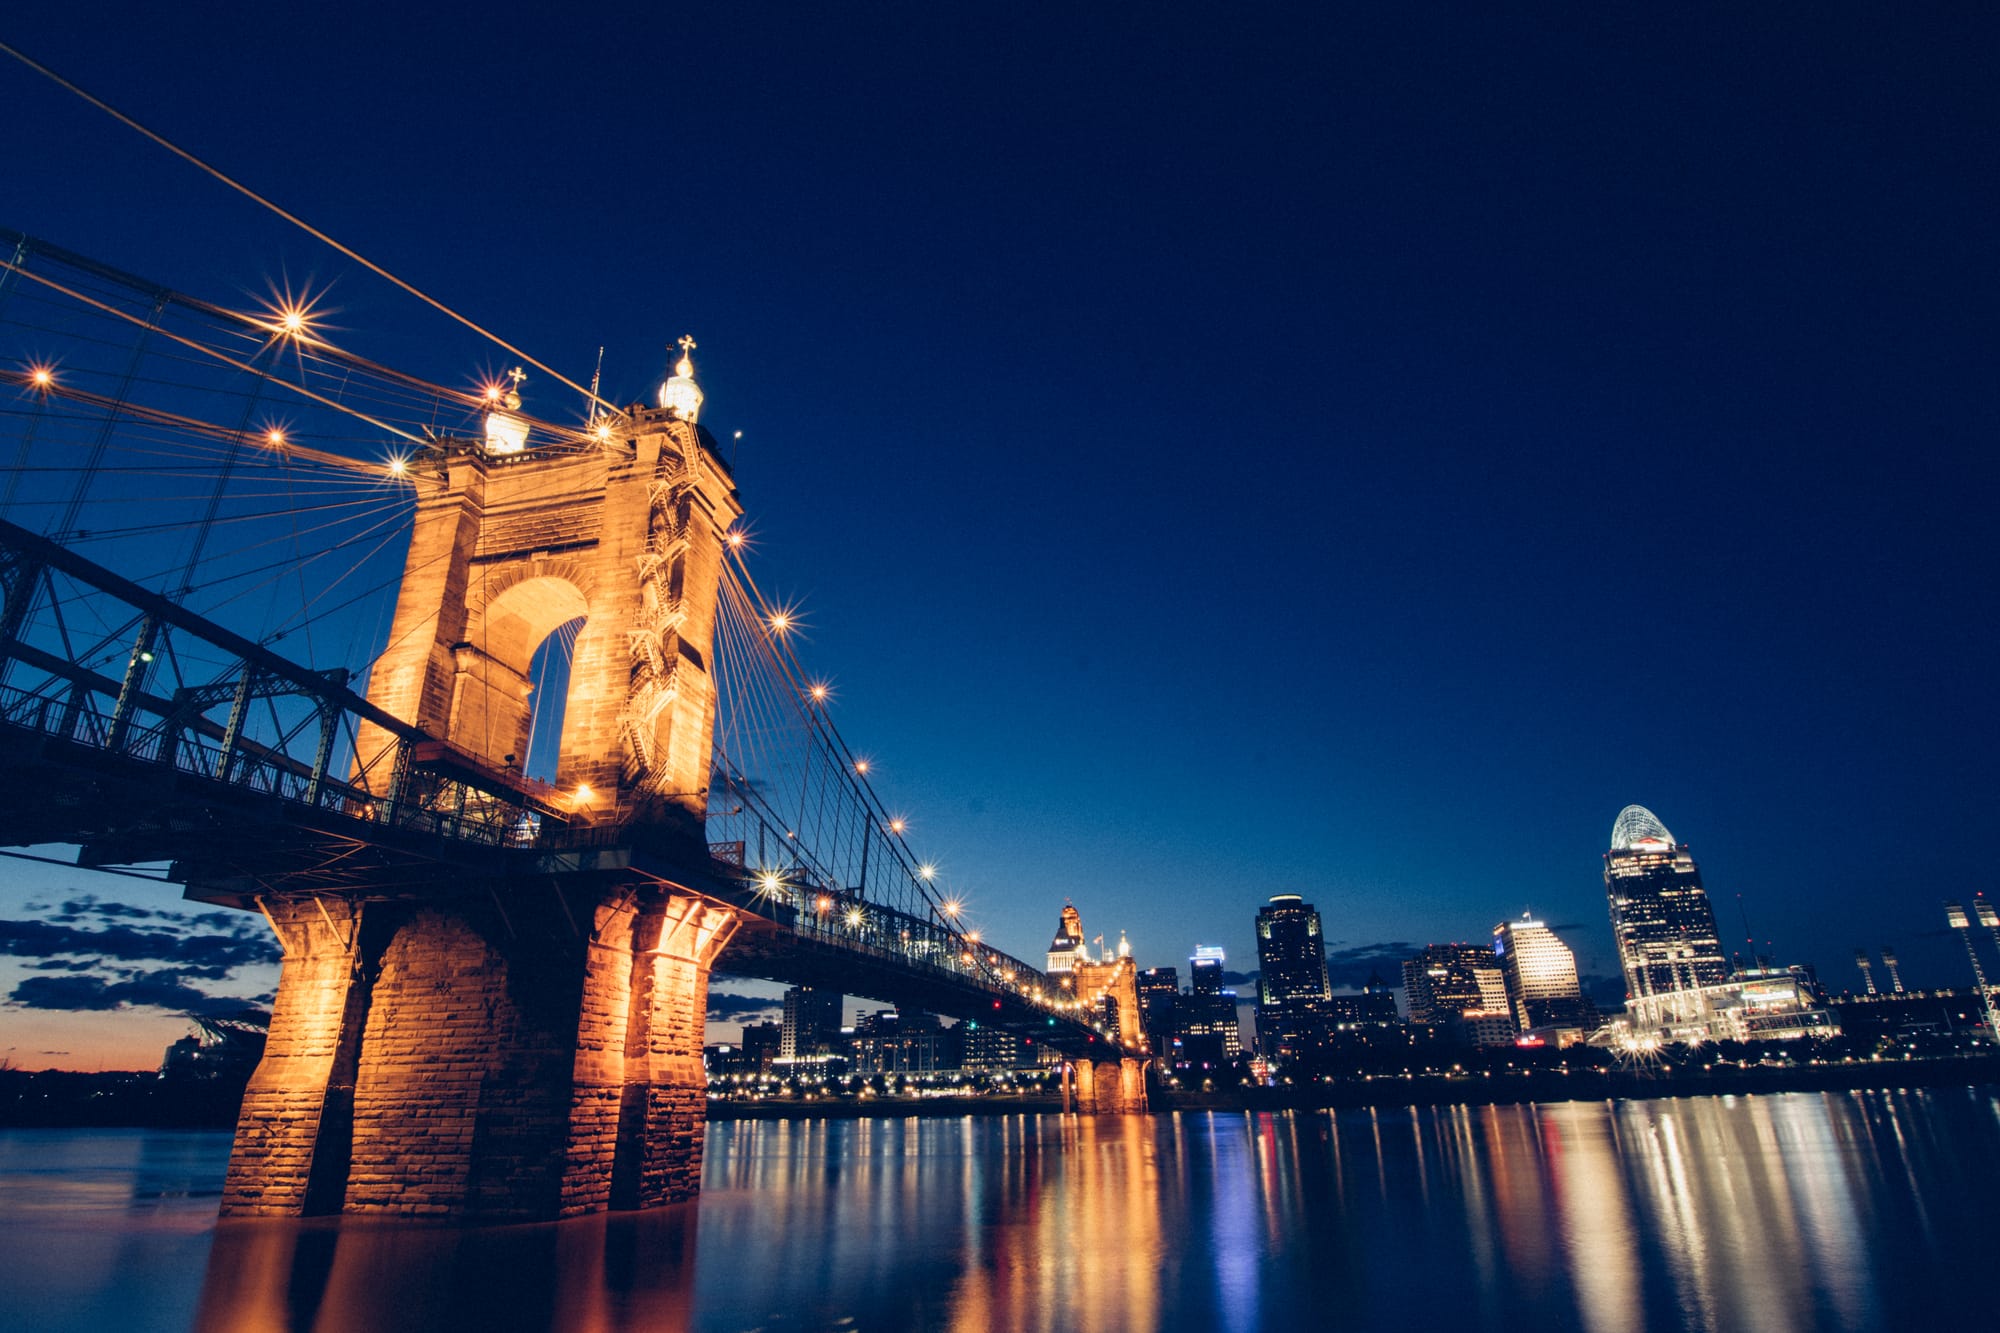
<point>237,767</point>
<point>130,776</point>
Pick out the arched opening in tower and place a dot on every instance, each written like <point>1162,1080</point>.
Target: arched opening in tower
<point>513,673</point>
<point>548,677</point>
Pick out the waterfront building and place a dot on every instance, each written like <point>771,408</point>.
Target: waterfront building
<point>1540,974</point>
<point>1757,1004</point>
<point>1446,981</point>
<point>1373,1006</point>
<point>889,1041</point>
<point>761,1044</point>
<point>812,1022</point>
<point>1292,988</point>
<point>991,1049</point>
<point>1661,917</point>
<point>1484,1027</point>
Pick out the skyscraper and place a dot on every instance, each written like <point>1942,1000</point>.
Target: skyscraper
<point>1660,913</point>
<point>1541,976</point>
<point>812,1019</point>
<point>1159,1003</point>
<point>1209,1034</point>
<point>1292,987</point>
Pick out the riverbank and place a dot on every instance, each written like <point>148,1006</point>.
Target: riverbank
<point>1467,1089</point>
<point>53,1099</point>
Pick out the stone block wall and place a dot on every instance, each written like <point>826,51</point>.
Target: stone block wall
<point>433,1063</point>
<point>278,1128</point>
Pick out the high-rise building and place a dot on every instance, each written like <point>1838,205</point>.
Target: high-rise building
<point>1447,981</point>
<point>1208,1029</point>
<point>812,1021</point>
<point>1540,973</point>
<point>889,1041</point>
<point>1660,913</point>
<point>1159,1006</point>
<point>991,1048</point>
<point>1292,987</point>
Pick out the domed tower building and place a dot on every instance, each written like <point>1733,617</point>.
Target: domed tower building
<point>1660,913</point>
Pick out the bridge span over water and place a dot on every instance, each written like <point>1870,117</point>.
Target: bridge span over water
<point>494,987</point>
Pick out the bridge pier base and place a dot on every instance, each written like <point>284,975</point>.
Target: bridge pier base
<point>1106,1087</point>
<point>481,1059</point>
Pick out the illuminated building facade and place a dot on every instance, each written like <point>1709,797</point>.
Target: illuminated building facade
<point>1660,913</point>
<point>1447,981</point>
<point>1540,972</point>
<point>1208,1031</point>
<point>1757,1004</point>
<point>1067,949</point>
<point>812,1022</point>
<point>1292,988</point>
<point>1374,1006</point>
<point>990,1048</point>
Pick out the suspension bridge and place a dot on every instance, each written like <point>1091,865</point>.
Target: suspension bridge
<point>483,711</point>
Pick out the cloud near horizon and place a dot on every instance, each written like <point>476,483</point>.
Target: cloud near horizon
<point>91,945</point>
<point>727,1007</point>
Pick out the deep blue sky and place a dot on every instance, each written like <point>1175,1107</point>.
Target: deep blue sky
<point>1225,453</point>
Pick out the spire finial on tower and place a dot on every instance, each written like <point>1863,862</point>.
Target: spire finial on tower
<point>680,395</point>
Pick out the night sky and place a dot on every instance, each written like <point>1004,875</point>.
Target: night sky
<point>1217,454</point>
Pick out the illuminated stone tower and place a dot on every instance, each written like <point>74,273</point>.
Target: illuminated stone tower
<point>527,1045</point>
<point>626,534</point>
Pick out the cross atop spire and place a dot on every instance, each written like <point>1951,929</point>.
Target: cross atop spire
<point>680,395</point>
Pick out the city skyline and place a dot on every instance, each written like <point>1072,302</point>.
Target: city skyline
<point>1512,486</point>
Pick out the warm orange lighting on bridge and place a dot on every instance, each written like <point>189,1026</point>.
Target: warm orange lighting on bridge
<point>824,904</point>
<point>819,692</point>
<point>735,540</point>
<point>897,825</point>
<point>42,377</point>
<point>583,792</point>
<point>927,871</point>
<point>855,917</point>
<point>861,766</point>
<point>951,907</point>
<point>275,438</point>
<point>398,466</point>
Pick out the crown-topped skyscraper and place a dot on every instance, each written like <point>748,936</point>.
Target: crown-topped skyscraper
<point>1660,913</point>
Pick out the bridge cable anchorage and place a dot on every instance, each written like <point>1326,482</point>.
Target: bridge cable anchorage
<point>296,221</point>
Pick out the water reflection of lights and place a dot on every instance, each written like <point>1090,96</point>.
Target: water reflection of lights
<point>1697,1212</point>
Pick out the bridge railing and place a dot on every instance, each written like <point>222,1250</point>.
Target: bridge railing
<point>90,658</point>
<point>846,920</point>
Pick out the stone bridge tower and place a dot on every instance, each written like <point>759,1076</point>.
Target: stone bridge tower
<point>1109,987</point>
<point>627,535</point>
<point>528,1046</point>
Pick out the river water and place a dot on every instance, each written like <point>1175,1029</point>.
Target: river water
<point>1793,1212</point>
